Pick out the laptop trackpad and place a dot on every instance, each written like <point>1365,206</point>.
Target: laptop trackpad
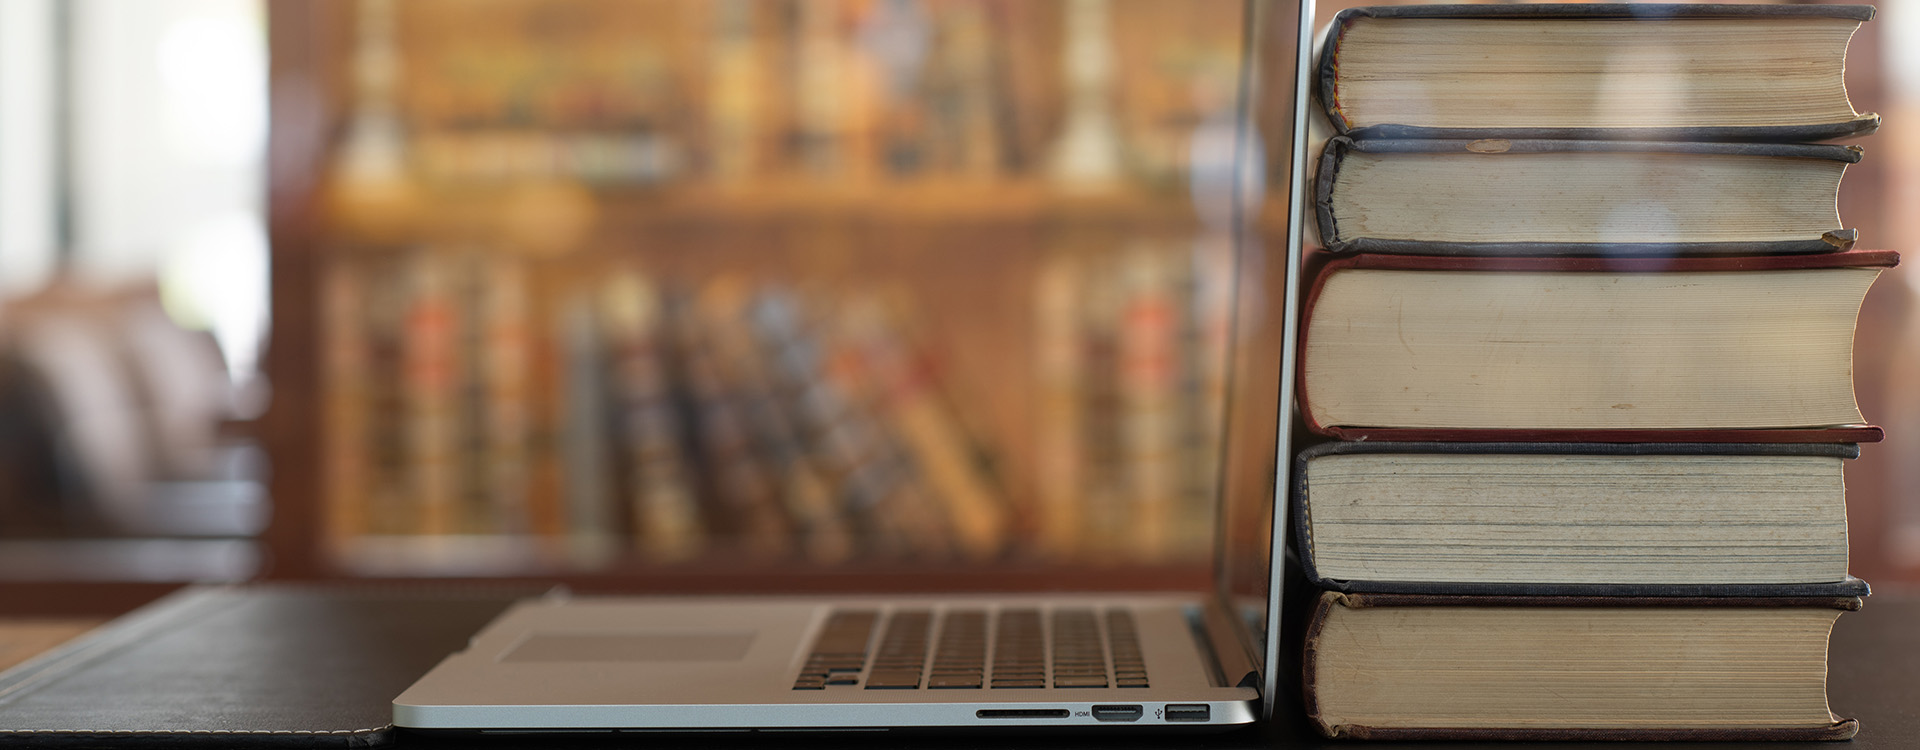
<point>632,647</point>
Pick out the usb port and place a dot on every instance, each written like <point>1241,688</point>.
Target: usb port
<point>1188,712</point>
<point>1117,713</point>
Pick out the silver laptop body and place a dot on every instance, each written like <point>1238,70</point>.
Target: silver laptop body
<point>627,664</point>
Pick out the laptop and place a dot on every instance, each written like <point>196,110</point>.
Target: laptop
<point>619,664</point>
<point>564,664</point>
<point>616,664</point>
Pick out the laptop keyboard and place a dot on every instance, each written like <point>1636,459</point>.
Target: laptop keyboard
<point>1082,648</point>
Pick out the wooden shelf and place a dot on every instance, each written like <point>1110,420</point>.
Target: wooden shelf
<point>497,215</point>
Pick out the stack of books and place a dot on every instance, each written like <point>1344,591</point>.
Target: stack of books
<point>1582,327</point>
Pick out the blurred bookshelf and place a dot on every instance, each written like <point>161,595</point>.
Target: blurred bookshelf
<point>685,296</point>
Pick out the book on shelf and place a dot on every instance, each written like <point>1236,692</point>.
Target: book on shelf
<point>1422,666</point>
<point>651,466</point>
<point>583,498</point>
<point>893,373</point>
<point>1555,197</point>
<point>346,359</point>
<point>839,439</point>
<point>1744,349</point>
<point>730,93</point>
<point>1129,387</point>
<point>625,413</point>
<point>1633,71</point>
<point>820,528</point>
<point>1599,518</point>
<point>432,389</point>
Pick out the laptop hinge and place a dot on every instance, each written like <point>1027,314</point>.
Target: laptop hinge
<point>1229,651</point>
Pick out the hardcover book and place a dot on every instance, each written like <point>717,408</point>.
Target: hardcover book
<point>1580,71</point>
<point>1390,666</point>
<point>1541,197</point>
<point>1745,349</point>
<point>1645,519</point>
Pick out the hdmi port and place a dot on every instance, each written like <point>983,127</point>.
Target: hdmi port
<point>1117,713</point>
<point>1021,713</point>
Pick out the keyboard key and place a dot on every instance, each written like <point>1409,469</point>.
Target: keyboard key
<point>940,682</point>
<point>846,633</point>
<point>1080,682</point>
<point>900,680</point>
<point>1018,684</point>
<point>840,647</point>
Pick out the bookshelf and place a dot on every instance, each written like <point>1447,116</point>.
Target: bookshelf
<point>969,241</point>
<point>682,296</point>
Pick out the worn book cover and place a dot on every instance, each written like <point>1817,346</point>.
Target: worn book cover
<point>1332,68</point>
<point>1341,239</point>
<point>1325,266</point>
<point>1308,548</point>
<point>1571,667</point>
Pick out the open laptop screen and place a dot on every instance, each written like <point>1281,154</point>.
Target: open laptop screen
<point>1255,473</point>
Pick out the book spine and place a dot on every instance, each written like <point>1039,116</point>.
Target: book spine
<point>392,505</point>
<point>432,376</point>
<point>739,500</point>
<point>660,503</point>
<point>1107,530</point>
<point>475,512</point>
<point>586,424</point>
<point>349,359</point>
<point>911,401</point>
<point>904,509</point>
<point>1060,355</point>
<point>1148,389</point>
<point>508,398</point>
<point>735,86</point>
<point>819,532</point>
